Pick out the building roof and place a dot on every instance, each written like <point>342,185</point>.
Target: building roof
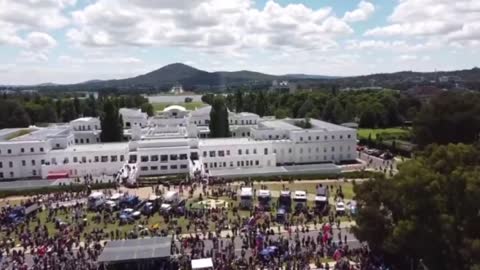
<point>136,249</point>
<point>42,134</point>
<point>228,141</point>
<point>132,112</point>
<point>174,107</point>
<point>97,147</point>
<point>279,125</point>
<point>202,111</point>
<point>84,119</point>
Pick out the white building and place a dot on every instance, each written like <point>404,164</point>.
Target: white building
<point>86,130</point>
<point>133,117</point>
<point>175,142</point>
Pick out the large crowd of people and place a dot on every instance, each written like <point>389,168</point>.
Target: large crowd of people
<point>65,239</point>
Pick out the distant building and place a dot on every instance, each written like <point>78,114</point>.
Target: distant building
<point>177,89</point>
<point>284,86</point>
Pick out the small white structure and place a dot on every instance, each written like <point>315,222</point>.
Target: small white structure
<point>206,263</point>
<point>177,89</point>
<point>133,117</point>
<point>300,196</point>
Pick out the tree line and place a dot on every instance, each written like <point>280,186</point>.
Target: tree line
<point>22,110</point>
<point>371,109</point>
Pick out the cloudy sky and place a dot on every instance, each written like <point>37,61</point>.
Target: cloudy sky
<point>67,41</point>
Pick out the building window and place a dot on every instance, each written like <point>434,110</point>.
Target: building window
<point>242,163</point>
<point>9,151</point>
<point>81,141</point>
<point>154,168</point>
<point>154,158</point>
<point>173,157</point>
<point>173,167</point>
<point>33,162</point>
<point>349,136</point>
<point>84,160</point>
<point>34,173</point>
<point>204,153</point>
<point>1,174</point>
<point>1,164</point>
<point>301,150</point>
<point>88,140</point>
<point>96,159</point>
<point>113,158</point>
<point>104,159</point>
<point>144,158</point>
<point>265,151</point>
<point>76,141</point>
<point>163,158</point>
<point>183,166</point>
<point>122,158</point>
<point>183,156</point>
<point>317,150</point>
<point>41,149</point>
<point>333,137</point>
<point>22,150</point>
<point>205,165</point>
<point>301,139</point>
<point>318,138</point>
<point>24,163</point>
<point>75,159</point>
<point>238,163</point>
<point>212,153</point>
<point>221,153</point>
<point>231,163</point>
<point>32,150</point>
<point>10,164</point>
<point>57,145</point>
<point>257,162</point>
<point>333,148</point>
<point>11,174</point>
<point>240,151</point>
<point>144,168</point>
<point>274,151</point>
<point>326,138</point>
<point>290,150</point>
<point>246,152</point>
<point>163,168</point>
<point>228,152</point>
<point>341,137</point>
<point>42,161</point>
<point>309,138</point>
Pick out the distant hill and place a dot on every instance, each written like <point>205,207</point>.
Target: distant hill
<point>188,76</point>
<point>309,77</point>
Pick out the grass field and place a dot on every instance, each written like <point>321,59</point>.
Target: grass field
<point>159,106</point>
<point>363,133</point>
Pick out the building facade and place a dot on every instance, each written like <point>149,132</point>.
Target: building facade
<point>173,142</point>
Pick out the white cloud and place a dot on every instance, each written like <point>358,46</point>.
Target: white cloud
<point>205,25</point>
<point>37,41</point>
<point>450,20</point>
<point>394,46</point>
<point>362,13</point>
<point>65,59</point>
<point>32,57</point>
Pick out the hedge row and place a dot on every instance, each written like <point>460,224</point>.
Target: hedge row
<point>53,189</point>
<point>349,175</point>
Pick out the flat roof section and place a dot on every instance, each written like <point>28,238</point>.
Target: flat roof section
<point>280,125</point>
<point>97,147</point>
<point>136,249</point>
<point>228,141</point>
<point>41,134</point>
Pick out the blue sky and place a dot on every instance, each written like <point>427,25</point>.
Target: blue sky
<point>68,41</point>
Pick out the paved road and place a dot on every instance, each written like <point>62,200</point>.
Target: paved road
<point>376,162</point>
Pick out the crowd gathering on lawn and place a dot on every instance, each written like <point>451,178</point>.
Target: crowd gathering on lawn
<point>235,239</point>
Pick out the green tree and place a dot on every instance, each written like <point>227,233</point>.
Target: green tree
<point>260,104</point>
<point>238,101</point>
<point>111,123</point>
<point>218,125</point>
<point>91,108</point>
<point>448,118</point>
<point>147,108</point>
<point>19,117</point>
<point>78,107</point>
<point>305,109</point>
<point>429,211</point>
<point>282,113</point>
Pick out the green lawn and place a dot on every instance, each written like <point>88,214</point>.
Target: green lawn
<point>159,106</point>
<point>363,133</point>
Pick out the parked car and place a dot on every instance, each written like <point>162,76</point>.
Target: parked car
<point>340,208</point>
